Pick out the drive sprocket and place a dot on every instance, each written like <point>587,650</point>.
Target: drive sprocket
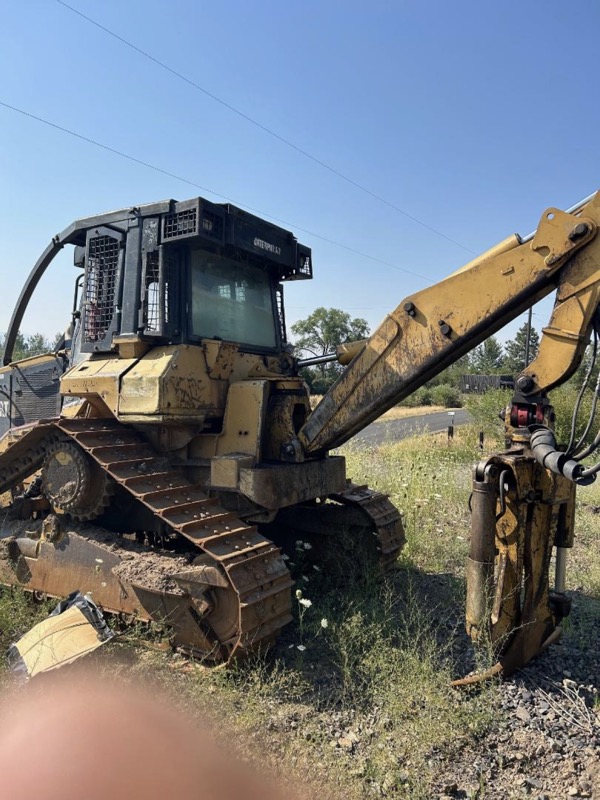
<point>73,482</point>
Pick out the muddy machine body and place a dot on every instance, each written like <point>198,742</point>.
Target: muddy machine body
<point>166,418</point>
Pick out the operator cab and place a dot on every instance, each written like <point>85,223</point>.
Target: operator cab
<point>163,273</point>
<point>195,271</point>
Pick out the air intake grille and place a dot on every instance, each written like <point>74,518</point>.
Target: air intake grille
<point>100,285</point>
<point>36,393</point>
<point>183,223</point>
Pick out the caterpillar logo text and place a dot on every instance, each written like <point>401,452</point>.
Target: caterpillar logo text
<point>271,248</point>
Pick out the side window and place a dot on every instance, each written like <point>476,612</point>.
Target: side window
<point>159,294</point>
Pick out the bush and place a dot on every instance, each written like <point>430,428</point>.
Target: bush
<point>447,396</point>
<point>422,397</point>
<point>485,408</point>
<point>564,399</point>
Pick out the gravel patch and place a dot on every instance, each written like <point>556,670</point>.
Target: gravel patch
<point>546,744</point>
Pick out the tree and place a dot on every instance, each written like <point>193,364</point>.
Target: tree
<point>585,367</point>
<point>488,357</point>
<point>31,346</point>
<point>37,343</point>
<point>514,360</point>
<point>453,373</point>
<point>320,333</point>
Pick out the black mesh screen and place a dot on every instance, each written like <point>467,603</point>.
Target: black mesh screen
<point>36,392</point>
<point>159,293</point>
<point>304,265</point>
<point>197,221</point>
<point>183,223</point>
<point>170,267</point>
<point>100,286</point>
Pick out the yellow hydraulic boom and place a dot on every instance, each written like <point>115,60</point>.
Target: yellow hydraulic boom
<point>523,499</point>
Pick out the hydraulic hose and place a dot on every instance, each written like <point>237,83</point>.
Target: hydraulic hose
<point>545,451</point>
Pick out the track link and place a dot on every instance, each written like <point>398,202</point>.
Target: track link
<point>384,516</point>
<point>22,452</point>
<point>248,563</point>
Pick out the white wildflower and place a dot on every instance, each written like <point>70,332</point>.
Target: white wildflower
<point>304,601</point>
<point>299,544</point>
<point>307,546</point>
<point>298,593</point>
<point>324,623</point>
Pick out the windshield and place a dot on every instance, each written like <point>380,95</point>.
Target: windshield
<point>231,301</point>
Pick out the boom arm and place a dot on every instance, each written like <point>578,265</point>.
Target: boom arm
<point>431,329</point>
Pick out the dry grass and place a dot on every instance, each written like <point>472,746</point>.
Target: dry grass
<point>429,479</point>
<point>397,412</point>
<point>401,412</point>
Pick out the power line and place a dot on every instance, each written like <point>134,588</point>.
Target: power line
<point>262,127</point>
<point>210,191</point>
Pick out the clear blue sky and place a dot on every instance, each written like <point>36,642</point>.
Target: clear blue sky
<point>472,117</point>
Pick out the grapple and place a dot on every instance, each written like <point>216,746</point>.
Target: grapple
<point>522,513</point>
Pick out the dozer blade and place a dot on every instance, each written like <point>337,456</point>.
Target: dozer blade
<point>76,562</point>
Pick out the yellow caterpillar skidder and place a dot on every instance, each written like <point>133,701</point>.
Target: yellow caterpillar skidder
<point>173,416</point>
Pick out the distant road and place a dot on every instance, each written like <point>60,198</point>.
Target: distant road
<point>391,430</point>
